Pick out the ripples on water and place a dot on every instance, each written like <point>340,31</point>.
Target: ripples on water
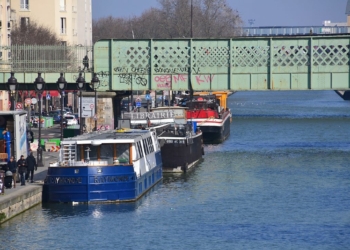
<point>281,181</point>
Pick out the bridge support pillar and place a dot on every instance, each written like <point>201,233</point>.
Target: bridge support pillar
<point>117,108</point>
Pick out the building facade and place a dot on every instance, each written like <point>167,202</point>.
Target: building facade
<point>5,40</point>
<point>71,20</point>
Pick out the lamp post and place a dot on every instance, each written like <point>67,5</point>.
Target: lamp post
<point>61,85</point>
<point>80,86</point>
<point>12,87</point>
<point>95,83</point>
<point>191,19</point>
<point>39,85</point>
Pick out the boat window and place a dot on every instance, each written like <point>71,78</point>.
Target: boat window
<point>139,152</point>
<point>123,152</point>
<point>145,146</point>
<point>92,152</point>
<point>150,145</point>
<point>107,153</point>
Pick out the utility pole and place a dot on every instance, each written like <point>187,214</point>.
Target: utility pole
<point>191,19</point>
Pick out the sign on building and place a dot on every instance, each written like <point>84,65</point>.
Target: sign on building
<point>88,106</point>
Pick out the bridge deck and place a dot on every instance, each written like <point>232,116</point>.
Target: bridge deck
<point>242,63</point>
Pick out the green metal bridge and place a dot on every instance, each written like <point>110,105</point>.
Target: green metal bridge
<point>308,62</point>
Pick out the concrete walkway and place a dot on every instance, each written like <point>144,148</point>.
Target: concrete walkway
<point>39,175</point>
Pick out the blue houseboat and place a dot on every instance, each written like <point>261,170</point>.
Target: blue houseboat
<point>107,166</point>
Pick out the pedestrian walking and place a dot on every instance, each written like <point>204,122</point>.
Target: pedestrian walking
<point>12,166</point>
<point>22,169</point>
<point>86,62</point>
<point>31,166</point>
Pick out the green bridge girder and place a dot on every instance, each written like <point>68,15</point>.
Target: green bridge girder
<point>238,64</point>
<point>242,63</point>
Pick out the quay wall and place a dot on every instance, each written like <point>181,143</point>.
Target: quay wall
<point>12,205</point>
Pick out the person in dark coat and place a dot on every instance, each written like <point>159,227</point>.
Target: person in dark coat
<point>86,62</point>
<point>22,169</point>
<point>31,165</point>
<point>12,166</point>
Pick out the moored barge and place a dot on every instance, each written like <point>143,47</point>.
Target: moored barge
<point>211,114</point>
<point>181,141</point>
<point>107,166</point>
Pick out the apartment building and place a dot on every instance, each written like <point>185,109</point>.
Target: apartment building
<point>5,32</point>
<point>71,20</point>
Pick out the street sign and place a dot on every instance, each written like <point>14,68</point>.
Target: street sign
<point>28,101</point>
<point>19,106</point>
<point>148,97</point>
<point>34,100</point>
<point>48,97</point>
<point>88,106</point>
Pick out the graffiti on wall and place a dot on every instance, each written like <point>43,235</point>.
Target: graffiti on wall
<point>132,75</point>
<point>167,81</point>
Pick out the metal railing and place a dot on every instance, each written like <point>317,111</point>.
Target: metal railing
<point>292,31</point>
<point>40,58</point>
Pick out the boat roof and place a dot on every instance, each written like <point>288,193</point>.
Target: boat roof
<point>168,107</point>
<point>108,136</point>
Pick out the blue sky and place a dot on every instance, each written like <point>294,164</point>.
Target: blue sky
<point>264,12</point>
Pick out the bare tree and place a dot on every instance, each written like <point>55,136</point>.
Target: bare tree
<point>33,34</point>
<point>216,19</point>
<point>34,48</point>
<point>110,27</point>
<point>210,18</point>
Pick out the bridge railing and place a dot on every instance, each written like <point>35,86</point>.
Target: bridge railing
<point>292,31</point>
<point>42,58</point>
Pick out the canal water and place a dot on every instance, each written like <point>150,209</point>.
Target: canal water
<point>281,181</point>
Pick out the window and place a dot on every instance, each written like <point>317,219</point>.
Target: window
<point>150,145</point>
<point>24,21</point>
<point>24,4</point>
<point>63,25</point>
<point>145,146</point>
<point>139,150</point>
<point>62,5</point>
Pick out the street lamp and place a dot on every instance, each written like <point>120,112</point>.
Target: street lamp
<point>95,83</point>
<point>39,86</point>
<point>81,86</point>
<point>61,85</point>
<point>12,87</point>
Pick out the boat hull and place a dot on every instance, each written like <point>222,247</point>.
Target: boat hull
<point>89,184</point>
<point>215,131</point>
<point>179,158</point>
